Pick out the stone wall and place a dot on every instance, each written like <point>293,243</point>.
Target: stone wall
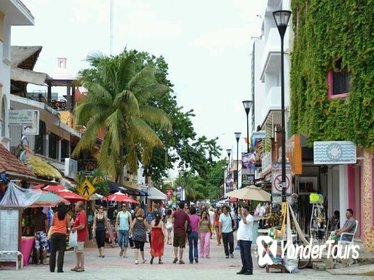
<point>367,199</point>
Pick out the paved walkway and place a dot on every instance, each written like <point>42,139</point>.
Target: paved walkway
<point>114,267</point>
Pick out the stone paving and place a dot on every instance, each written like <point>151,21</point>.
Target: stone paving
<point>115,267</point>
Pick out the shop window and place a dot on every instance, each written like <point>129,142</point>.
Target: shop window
<point>339,82</point>
<point>53,145</point>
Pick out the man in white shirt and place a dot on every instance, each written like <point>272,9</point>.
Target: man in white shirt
<point>244,236</point>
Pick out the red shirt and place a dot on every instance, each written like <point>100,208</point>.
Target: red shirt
<point>180,217</point>
<point>81,219</point>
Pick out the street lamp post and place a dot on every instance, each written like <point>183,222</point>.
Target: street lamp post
<point>247,107</point>
<point>237,137</point>
<point>281,18</point>
<point>228,151</point>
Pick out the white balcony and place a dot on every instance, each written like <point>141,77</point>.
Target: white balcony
<point>271,59</point>
<point>270,102</point>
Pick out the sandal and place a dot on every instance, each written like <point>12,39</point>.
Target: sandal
<point>160,261</point>
<point>181,262</point>
<point>175,260</point>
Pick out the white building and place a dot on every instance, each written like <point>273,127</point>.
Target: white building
<point>12,13</point>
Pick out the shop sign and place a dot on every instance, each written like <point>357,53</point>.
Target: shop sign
<point>27,119</point>
<point>276,186</point>
<point>294,154</point>
<point>334,152</point>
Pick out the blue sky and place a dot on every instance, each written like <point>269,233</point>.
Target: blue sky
<point>205,42</point>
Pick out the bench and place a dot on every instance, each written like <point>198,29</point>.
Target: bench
<point>12,256</point>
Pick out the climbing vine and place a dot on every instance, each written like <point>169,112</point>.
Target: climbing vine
<point>328,31</point>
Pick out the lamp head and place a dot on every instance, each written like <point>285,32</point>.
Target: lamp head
<point>281,18</point>
<point>228,151</point>
<point>237,135</point>
<point>247,104</point>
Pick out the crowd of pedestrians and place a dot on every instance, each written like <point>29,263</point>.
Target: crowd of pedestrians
<point>177,227</point>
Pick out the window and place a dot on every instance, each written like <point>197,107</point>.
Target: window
<point>339,82</point>
<point>64,149</point>
<point>53,145</point>
<point>39,139</point>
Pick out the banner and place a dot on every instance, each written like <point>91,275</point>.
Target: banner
<point>248,169</point>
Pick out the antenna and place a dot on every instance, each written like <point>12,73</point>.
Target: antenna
<point>111,27</point>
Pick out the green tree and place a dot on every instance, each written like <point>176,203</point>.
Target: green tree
<point>181,145</point>
<point>119,90</point>
<point>203,187</point>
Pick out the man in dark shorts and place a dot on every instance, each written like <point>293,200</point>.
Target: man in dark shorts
<point>41,242</point>
<point>180,222</point>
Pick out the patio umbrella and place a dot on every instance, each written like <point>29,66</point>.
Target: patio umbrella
<point>120,197</point>
<point>51,188</point>
<point>70,196</point>
<point>250,193</point>
<point>48,199</point>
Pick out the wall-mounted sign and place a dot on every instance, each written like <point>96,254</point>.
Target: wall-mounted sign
<point>276,184</point>
<point>28,119</point>
<point>334,152</point>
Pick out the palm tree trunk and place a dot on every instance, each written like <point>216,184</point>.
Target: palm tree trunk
<point>121,164</point>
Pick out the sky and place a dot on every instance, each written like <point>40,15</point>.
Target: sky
<point>206,44</point>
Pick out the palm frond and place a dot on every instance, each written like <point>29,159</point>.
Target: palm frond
<point>156,116</point>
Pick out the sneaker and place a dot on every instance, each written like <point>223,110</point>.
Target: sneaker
<point>227,257</point>
<point>136,262</point>
<point>181,262</point>
<point>175,260</point>
<point>232,255</point>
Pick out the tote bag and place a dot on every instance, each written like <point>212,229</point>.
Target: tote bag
<point>73,239</point>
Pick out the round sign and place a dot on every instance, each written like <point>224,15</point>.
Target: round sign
<point>278,183</point>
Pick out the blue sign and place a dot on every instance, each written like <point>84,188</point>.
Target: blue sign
<point>334,152</point>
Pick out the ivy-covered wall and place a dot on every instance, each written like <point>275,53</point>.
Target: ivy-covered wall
<point>327,31</point>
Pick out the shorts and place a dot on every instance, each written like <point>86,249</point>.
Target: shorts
<point>179,240</point>
<point>41,241</point>
<point>79,248</point>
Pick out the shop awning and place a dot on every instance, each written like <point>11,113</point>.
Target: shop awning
<point>156,194</point>
<point>116,187</point>
<point>42,168</point>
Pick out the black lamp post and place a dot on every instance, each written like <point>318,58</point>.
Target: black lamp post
<point>281,20</point>
<point>227,170</point>
<point>237,137</point>
<point>247,107</point>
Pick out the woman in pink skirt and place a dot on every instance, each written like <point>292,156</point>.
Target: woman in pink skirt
<point>205,230</point>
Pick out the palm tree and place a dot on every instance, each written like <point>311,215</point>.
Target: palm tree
<point>119,88</point>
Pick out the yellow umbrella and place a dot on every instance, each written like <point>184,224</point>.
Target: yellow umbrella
<point>250,193</point>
